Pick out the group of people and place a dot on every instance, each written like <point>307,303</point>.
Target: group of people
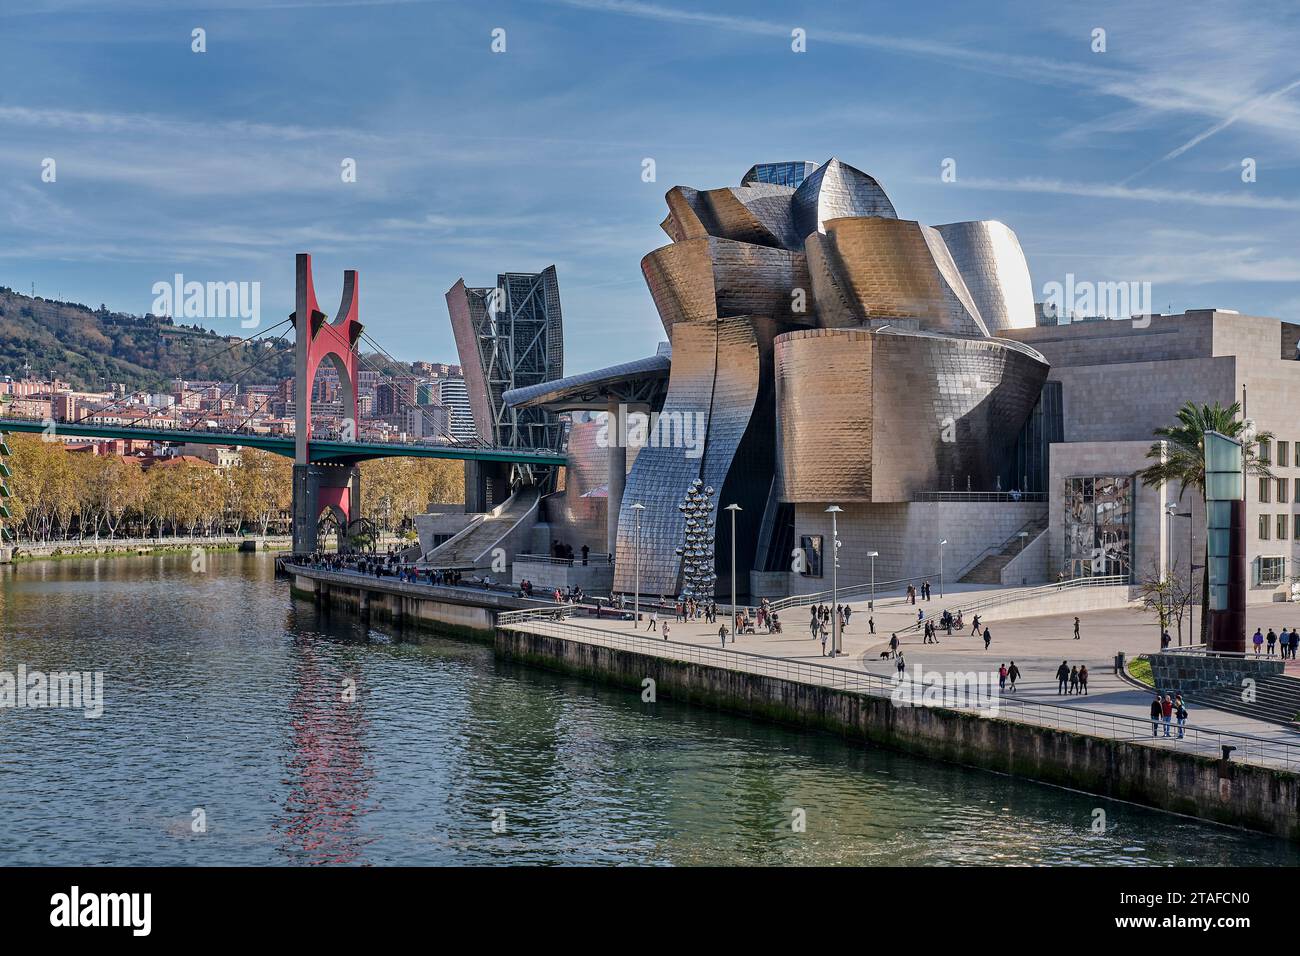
<point>911,592</point>
<point>1163,709</point>
<point>764,616</point>
<point>947,622</point>
<point>819,624</point>
<point>1071,679</point>
<point>565,551</point>
<point>389,565</point>
<point>1285,643</point>
<point>692,609</point>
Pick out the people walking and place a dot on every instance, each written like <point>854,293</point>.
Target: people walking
<point>975,626</point>
<point>1062,676</point>
<point>1167,712</point>
<point>665,630</point>
<point>722,633</point>
<point>1076,628</point>
<point>825,634</point>
<point>988,638</point>
<point>1258,641</point>
<point>1013,672</point>
<point>654,620</point>
<point>1156,709</point>
<point>901,667</point>
<point>1002,678</point>
<point>1074,681</point>
<point>1083,679</point>
<point>1180,712</point>
<point>1272,639</point>
<point>893,645</point>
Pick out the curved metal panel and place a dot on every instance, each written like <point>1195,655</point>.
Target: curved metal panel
<point>715,378</point>
<point>577,514</point>
<point>897,268</point>
<point>989,257</point>
<point>940,411</point>
<point>700,280</point>
<point>835,191</point>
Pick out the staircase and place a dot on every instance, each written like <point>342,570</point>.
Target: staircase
<point>1277,699</point>
<point>988,570</point>
<point>472,548</point>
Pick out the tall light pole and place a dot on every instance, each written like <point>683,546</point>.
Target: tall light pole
<point>636,551</point>
<point>733,508</point>
<point>1171,509</point>
<point>941,544</point>
<point>873,555</point>
<point>834,511</point>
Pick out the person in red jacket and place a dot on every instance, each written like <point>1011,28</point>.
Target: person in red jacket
<point>1167,711</point>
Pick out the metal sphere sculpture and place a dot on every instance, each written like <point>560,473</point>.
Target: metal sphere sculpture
<point>698,577</point>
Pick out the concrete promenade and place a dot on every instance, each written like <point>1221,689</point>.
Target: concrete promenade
<point>1038,645</point>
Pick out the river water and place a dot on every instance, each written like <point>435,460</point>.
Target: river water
<point>227,738</point>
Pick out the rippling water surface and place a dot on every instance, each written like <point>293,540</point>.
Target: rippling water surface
<point>223,694</point>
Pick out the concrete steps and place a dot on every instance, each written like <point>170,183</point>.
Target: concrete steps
<point>989,569</point>
<point>472,548</point>
<point>1277,700</point>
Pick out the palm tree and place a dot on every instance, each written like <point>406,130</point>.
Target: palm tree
<point>1179,455</point>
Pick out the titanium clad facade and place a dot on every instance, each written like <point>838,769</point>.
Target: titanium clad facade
<point>701,280</point>
<point>989,258</point>
<point>835,191</point>
<point>715,382</point>
<point>878,269</point>
<point>886,415</point>
<point>577,514</point>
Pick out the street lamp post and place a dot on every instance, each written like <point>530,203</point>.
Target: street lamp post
<point>636,552</point>
<point>733,508</point>
<point>834,511</point>
<point>873,555</point>
<point>941,544</point>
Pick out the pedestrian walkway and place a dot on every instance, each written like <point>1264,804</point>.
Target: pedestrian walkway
<point>1038,645</point>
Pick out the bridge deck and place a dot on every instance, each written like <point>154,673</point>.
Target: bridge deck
<point>320,450</point>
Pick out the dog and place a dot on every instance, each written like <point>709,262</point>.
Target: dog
<point>884,655</point>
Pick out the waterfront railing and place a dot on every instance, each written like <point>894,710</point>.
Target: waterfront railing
<point>1206,741</point>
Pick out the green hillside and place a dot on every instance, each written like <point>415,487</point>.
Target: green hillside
<point>90,347</point>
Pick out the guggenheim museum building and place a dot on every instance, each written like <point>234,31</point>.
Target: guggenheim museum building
<point>823,351</point>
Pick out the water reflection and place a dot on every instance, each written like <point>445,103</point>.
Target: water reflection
<point>224,694</point>
<point>328,769</point>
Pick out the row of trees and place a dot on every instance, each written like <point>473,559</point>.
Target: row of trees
<point>62,495</point>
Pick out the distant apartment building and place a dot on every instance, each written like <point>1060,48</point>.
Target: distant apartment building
<point>426,421</point>
<point>453,394</point>
<point>64,407</point>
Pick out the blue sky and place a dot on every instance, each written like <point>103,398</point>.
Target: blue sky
<point>1115,166</point>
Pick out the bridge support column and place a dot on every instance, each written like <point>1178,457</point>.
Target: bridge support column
<point>487,484</point>
<point>317,487</point>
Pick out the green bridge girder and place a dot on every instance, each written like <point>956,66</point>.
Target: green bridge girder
<point>321,451</point>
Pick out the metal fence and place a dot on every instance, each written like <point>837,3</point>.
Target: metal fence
<point>1017,595</point>
<point>1196,739</point>
<point>594,557</point>
<point>852,592</point>
<point>1016,496</point>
